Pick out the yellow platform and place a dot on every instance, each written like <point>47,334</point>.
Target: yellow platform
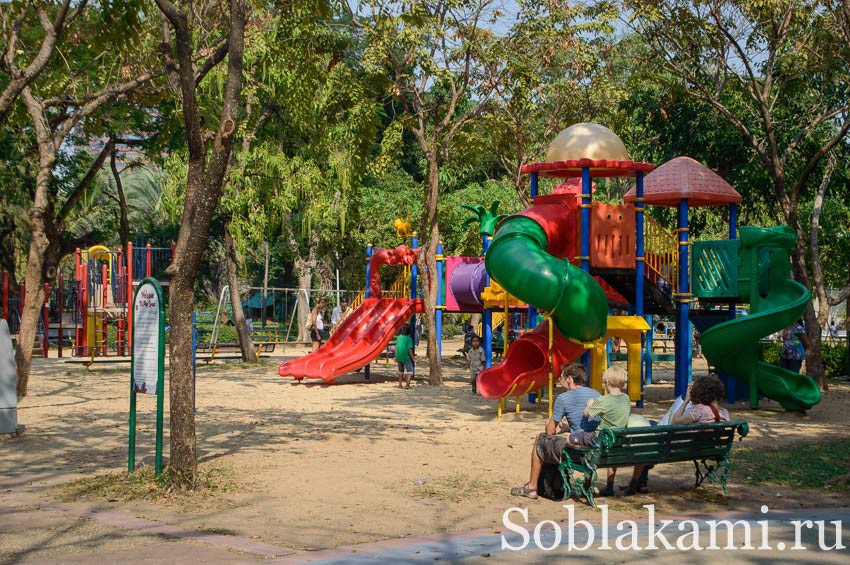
<point>629,329</point>
<point>494,297</point>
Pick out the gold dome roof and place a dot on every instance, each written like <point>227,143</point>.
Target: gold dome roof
<point>586,141</point>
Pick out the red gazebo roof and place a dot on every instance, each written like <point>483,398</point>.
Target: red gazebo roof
<point>682,178</point>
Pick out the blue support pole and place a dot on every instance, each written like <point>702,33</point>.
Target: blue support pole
<point>441,298</point>
<point>731,392</point>
<point>690,356</point>
<point>586,196</point>
<point>532,311</point>
<point>585,218</point>
<point>487,321</point>
<point>367,373</point>
<point>414,269</point>
<point>640,263</point>
<point>683,338</point>
<point>414,273</point>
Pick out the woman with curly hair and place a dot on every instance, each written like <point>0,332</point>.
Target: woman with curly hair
<point>705,394</point>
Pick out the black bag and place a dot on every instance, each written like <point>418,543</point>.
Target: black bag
<point>550,484</point>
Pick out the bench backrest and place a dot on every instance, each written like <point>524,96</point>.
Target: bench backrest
<point>666,444</point>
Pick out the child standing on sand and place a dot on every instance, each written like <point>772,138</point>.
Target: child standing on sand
<point>475,361</point>
<point>404,355</point>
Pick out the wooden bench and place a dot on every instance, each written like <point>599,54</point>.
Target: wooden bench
<point>707,445</point>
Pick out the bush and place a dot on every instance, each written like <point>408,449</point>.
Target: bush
<point>451,330</point>
<point>770,352</point>
<point>835,363</point>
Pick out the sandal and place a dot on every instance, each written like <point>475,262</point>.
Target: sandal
<point>525,491</point>
<point>607,490</point>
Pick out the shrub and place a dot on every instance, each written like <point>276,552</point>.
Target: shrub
<point>835,362</point>
<point>770,352</point>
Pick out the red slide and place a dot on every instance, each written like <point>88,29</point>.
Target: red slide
<point>359,339</point>
<point>526,364</point>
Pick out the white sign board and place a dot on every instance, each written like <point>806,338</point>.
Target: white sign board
<point>147,334</point>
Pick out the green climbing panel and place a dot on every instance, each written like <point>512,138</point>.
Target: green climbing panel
<point>715,270</point>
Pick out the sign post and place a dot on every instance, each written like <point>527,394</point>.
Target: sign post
<point>147,364</point>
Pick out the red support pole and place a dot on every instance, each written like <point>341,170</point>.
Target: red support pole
<point>45,320</point>
<point>120,337</point>
<point>148,260</point>
<point>119,296</point>
<point>129,296</point>
<point>22,297</point>
<point>5,299</point>
<point>83,296</point>
<point>60,292</point>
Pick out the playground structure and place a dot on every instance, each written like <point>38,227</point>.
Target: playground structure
<point>375,316</point>
<point>89,314</point>
<point>105,281</point>
<point>580,261</point>
<point>562,254</point>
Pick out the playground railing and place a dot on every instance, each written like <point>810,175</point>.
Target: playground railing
<point>498,320</point>
<point>399,289</point>
<point>661,252</point>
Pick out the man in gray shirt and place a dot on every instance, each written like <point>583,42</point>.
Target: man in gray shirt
<point>570,405</point>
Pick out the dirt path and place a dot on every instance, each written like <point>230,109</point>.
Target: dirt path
<point>322,466</point>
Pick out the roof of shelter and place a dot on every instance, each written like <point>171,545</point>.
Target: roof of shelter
<point>685,178</point>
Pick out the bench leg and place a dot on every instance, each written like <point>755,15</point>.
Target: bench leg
<point>702,473</point>
<point>581,486</point>
<point>725,466</point>
<point>588,485</point>
<point>710,471</point>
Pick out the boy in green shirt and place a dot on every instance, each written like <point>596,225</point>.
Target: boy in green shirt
<point>404,355</point>
<point>613,410</point>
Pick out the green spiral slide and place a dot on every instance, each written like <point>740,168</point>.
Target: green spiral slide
<point>776,301</point>
<point>518,260</point>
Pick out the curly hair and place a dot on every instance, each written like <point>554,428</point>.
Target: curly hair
<point>706,390</point>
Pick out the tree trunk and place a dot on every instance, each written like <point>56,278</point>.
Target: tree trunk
<point>123,215</point>
<point>246,344</point>
<point>302,303</point>
<point>814,357</point>
<point>206,172</point>
<point>432,284</point>
<point>41,226</point>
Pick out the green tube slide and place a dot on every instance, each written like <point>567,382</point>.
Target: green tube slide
<point>776,302</point>
<point>517,260</point>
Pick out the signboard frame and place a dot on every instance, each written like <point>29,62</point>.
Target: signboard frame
<point>160,377</point>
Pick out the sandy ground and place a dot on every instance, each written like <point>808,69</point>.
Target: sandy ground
<point>319,466</point>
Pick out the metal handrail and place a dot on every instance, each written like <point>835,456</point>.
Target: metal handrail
<point>399,289</point>
<point>661,250</point>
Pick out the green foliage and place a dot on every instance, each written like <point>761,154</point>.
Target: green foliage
<point>770,352</point>
<point>835,362</point>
